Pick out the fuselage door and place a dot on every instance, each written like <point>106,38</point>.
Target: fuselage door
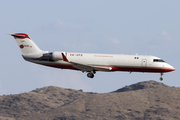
<point>144,63</point>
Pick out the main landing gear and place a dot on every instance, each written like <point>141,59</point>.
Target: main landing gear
<point>91,74</point>
<point>161,77</point>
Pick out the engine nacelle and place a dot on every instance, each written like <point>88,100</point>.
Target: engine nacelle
<point>53,56</point>
<point>57,55</point>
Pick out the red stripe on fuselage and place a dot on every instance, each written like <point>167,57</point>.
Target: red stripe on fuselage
<point>129,69</point>
<point>141,69</point>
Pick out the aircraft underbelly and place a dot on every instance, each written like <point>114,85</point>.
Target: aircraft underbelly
<point>64,65</point>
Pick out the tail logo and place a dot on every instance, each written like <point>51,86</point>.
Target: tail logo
<point>21,46</point>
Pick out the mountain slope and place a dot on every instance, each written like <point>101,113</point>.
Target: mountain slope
<point>142,85</point>
<point>157,103</point>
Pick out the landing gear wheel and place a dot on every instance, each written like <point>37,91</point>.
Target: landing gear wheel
<point>90,75</point>
<point>161,77</point>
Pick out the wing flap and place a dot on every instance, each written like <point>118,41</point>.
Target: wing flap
<point>88,68</point>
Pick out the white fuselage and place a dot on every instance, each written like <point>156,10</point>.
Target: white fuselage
<point>117,62</point>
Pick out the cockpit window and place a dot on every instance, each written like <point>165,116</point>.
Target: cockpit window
<point>158,60</point>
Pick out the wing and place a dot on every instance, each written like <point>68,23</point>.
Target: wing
<point>86,67</point>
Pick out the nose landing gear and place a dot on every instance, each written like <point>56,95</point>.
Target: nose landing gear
<point>161,77</point>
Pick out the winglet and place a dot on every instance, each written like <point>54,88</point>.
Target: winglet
<point>64,57</point>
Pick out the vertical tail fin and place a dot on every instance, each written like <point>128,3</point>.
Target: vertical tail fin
<point>26,45</point>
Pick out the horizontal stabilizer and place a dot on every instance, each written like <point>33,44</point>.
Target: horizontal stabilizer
<point>20,35</point>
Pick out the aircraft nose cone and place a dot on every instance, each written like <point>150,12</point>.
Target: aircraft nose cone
<point>171,68</point>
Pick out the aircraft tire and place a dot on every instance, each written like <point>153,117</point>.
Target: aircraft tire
<point>90,75</point>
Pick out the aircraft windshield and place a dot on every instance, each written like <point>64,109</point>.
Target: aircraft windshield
<point>158,60</point>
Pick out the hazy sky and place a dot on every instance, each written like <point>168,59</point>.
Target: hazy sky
<point>93,26</point>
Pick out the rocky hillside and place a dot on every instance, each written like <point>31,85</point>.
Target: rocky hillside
<point>149,100</point>
<point>142,85</point>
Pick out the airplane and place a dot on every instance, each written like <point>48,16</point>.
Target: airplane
<point>90,62</point>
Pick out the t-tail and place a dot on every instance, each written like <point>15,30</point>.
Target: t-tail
<point>30,51</point>
<point>25,43</point>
